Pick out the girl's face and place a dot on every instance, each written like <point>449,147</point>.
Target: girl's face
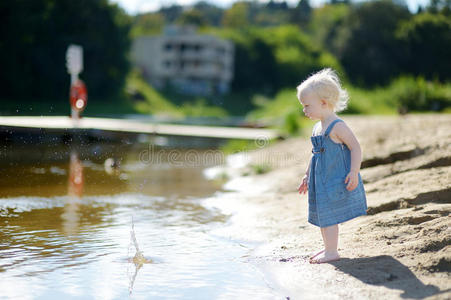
<point>314,108</point>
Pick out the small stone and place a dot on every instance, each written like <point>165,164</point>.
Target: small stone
<point>283,260</point>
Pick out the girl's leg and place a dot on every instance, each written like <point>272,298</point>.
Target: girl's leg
<point>320,251</point>
<point>330,237</point>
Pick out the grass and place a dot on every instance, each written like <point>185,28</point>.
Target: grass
<point>261,168</point>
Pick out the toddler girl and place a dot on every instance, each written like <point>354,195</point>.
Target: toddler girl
<point>335,188</point>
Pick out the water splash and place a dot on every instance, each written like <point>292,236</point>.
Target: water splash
<point>138,259</point>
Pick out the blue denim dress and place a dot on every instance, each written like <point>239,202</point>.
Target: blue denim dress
<point>330,202</point>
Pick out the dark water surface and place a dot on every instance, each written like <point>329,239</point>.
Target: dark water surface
<point>66,222</point>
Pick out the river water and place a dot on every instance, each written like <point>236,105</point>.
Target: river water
<point>67,217</point>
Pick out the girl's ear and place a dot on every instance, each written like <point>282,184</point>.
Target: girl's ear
<point>324,102</point>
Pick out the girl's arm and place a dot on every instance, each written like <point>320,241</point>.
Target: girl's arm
<point>310,162</point>
<point>308,168</point>
<point>303,187</point>
<point>345,134</point>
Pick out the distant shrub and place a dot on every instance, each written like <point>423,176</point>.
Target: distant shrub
<point>234,146</point>
<point>147,100</point>
<point>417,94</point>
<point>283,112</point>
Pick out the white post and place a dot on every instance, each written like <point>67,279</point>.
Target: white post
<point>74,64</point>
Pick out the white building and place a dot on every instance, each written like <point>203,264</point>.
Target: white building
<point>196,64</point>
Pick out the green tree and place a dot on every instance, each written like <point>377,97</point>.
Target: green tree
<point>427,38</point>
<point>237,16</point>
<point>371,53</point>
<point>148,24</point>
<point>211,13</point>
<point>327,29</point>
<point>255,66</point>
<point>296,55</point>
<point>192,17</point>
<point>440,6</point>
<point>302,13</point>
<point>171,13</point>
<point>270,14</point>
<point>268,59</point>
<point>36,34</point>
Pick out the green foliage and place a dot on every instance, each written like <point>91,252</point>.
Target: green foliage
<point>192,17</point>
<point>284,112</point>
<point>377,100</point>
<point>371,54</point>
<point>36,34</point>
<point>427,40</point>
<point>273,13</point>
<point>237,16</point>
<point>417,94</point>
<point>200,108</point>
<point>296,55</point>
<point>171,13</point>
<point>440,6</point>
<point>270,14</point>
<point>234,146</point>
<point>301,15</point>
<point>268,59</point>
<point>147,24</point>
<point>260,168</point>
<point>211,13</point>
<point>327,27</point>
<point>147,100</point>
<point>403,94</point>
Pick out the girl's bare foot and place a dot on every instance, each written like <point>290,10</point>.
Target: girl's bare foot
<point>316,254</point>
<point>325,257</point>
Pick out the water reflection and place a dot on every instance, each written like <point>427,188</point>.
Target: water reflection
<point>66,230</point>
<point>107,170</point>
<point>70,216</point>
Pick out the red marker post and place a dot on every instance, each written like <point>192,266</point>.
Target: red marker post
<point>78,97</point>
<point>78,92</point>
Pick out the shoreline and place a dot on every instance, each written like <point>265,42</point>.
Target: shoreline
<point>401,249</point>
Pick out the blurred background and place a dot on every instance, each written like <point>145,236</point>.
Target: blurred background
<point>218,60</point>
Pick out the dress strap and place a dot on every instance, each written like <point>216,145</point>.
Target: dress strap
<point>331,125</point>
<point>314,127</point>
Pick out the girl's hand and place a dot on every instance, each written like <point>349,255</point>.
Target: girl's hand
<point>303,187</point>
<point>353,178</point>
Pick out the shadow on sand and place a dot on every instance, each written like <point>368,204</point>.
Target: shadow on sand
<point>386,271</point>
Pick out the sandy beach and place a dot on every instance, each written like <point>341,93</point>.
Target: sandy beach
<point>401,249</point>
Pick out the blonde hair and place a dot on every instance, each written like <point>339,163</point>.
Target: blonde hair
<point>326,85</point>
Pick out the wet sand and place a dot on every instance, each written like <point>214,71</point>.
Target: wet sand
<point>401,249</point>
